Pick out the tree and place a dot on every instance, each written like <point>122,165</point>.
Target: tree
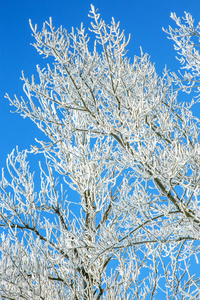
<point>120,139</point>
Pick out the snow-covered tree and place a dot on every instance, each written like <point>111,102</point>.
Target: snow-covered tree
<point>116,214</point>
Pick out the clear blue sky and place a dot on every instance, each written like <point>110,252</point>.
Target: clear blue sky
<point>144,19</point>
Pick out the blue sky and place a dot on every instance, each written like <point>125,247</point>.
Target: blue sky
<point>144,19</point>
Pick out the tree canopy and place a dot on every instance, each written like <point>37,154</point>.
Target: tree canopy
<point>116,215</point>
